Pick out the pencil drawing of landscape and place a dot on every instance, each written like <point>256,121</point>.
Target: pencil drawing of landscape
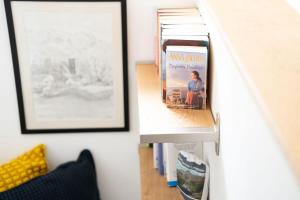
<point>71,67</point>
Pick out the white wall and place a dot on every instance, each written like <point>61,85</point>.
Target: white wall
<point>251,165</point>
<point>115,154</point>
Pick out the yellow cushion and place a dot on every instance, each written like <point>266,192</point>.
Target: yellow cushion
<point>24,168</point>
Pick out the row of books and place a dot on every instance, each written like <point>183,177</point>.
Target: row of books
<point>182,57</point>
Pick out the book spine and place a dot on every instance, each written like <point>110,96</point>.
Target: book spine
<point>171,157</point>
<point>159,32</point>
<point>155,155</point>
<point>165,158</point>
<point>156,49</point>
<point>157,42</point>
<point>163,72</point>
<point>160,159</point>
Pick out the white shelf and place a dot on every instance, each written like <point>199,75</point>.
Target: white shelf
<point>161,124</point>
<point>179,135</point>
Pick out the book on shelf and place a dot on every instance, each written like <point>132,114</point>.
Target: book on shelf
<point>190,31</point>
<point>195,26</point>
<point>186,71</point>
<point>165,160</point>
<point>160,159</point>
<point>155,155</point>
<point>181,19</point>
<point>178,40</point>
<point>178,10</point>
<point>193,176</point>
<point>174,16</point>
<point>171,151</point>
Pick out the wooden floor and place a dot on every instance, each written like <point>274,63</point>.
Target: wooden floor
<point>154,186</point>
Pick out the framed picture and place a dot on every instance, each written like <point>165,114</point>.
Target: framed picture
<point>70,64</point>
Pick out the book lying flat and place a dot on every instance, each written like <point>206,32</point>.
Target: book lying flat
<point>177,10</point>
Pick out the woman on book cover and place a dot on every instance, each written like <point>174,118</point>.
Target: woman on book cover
<point>195,91</point>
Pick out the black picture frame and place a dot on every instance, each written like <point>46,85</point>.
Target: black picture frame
<point>17,67</point>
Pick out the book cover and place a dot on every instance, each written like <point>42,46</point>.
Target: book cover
<point>193,176</point>
<point>177,41</point>
<point>186,77</point>
<point>171,154</point>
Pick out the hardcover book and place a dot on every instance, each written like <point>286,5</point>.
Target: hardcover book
<point>186,77</point>
<point>177,41</point>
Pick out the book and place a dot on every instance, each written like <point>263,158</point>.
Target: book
<point>181,19</point>
<point>186,76</point>
<point>196,27</point>
<point>185,31</point>
<point>185,25</point>
<point>193,176</point>
<point>165,159</point>
<point>171,154</point>
<point>198,30</point>
<point>178,10</point>
<point>160,159</point>
<point>177,40</point>
<point>155,155</point>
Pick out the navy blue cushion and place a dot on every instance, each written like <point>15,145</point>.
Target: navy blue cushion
<point>74,180</point>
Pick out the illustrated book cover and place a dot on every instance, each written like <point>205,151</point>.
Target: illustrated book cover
<point>177,41</point>
<point>186,77</point>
